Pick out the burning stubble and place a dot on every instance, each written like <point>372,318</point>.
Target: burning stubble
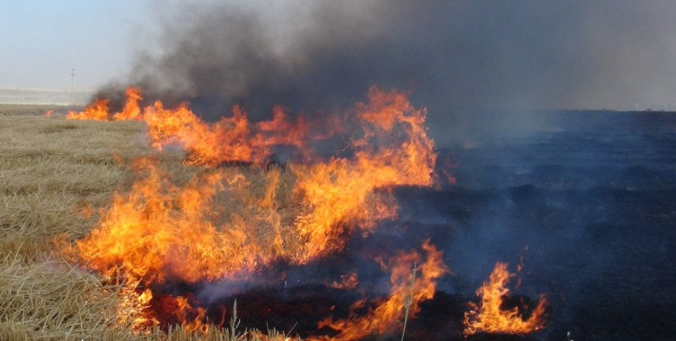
<point>217,228</point>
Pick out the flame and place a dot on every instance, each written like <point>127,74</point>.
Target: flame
<point>408,289</point>
<point>132,309</point>
<point>131,110</point>
<point>208,145</point>
<point>232,139</point>
<point>347,282</point>
<point>222,224</point>
<point>159,228</point>
<point>49,113</point>
<point>490,318</point>
<point>97,111</point>
<point>340,192</point>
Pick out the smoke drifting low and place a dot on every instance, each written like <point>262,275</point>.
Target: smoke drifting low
<point>462,59</point>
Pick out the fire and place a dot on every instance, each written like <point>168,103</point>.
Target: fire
<point>347,282</point>
<point>223,225</point>
<point>131,110</point>
<point>132,308</point>
<point>232,139</point>
<point>49,113</point>
<point>160,229</point>
<point>340,190</point>
<point>97,111</point>
<point>408,291</point>
<point>491,318</point>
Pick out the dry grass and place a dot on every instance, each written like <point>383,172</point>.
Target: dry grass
<point>33,109</point>
<point>50,169</point>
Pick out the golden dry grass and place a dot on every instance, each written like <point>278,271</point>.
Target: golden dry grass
<point>50,169</point>
<point>34,109</point>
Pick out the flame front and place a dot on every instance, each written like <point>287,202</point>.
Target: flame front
<point>223,224</point>
<point>97,111</point>
<point>490,318</point>
<point>232,139</point>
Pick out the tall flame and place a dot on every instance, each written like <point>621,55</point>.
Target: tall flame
<point>222,224</point>
<point>131,110</point>
<point>160,227</point>
<point>489,317</point>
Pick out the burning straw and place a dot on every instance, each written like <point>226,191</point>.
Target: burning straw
<point>231,223</point>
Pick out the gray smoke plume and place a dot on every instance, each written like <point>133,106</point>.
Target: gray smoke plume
<point>462,59</point>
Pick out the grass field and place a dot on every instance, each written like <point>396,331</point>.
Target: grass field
<point>50,170</point>
<point>32,109</point>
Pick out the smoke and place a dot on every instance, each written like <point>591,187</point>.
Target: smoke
<point>480,67</point>
<point>473,64</point>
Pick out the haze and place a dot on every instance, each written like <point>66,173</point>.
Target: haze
<point>617,54</point>
<point>41,41</point>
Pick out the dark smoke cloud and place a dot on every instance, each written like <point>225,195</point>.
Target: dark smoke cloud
<point>464,60</point>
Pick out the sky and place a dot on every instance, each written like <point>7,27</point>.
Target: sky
<point>41,41</point>
<point>574,54</point>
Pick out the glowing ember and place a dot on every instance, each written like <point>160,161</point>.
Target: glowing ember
<point>347,282</point>
<point>488,317</point>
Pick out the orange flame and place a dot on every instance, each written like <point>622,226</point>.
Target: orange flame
<point>132,308</point>
<point>209,145</point>
<point>131,110</point>
<point>161,230</point>
<point>490,318</point>
<point>49,113</point>
<point>229,140</point>
<point>340,191</point>
<point>97,111</point>
<point>407,289</point>
<point>347,282</point>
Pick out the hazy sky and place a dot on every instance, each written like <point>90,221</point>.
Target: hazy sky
<point>42,40</point>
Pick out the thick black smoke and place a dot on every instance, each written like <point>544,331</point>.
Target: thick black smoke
<point>472,63</point>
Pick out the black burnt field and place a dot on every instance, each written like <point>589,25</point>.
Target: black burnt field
<point>588,200</point>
